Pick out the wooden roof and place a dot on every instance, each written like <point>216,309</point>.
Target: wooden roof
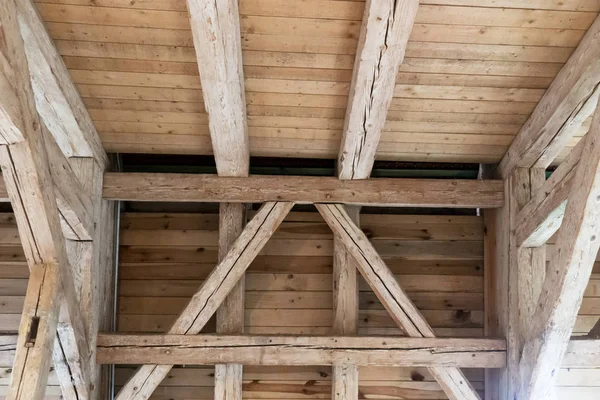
<point>474,70</point>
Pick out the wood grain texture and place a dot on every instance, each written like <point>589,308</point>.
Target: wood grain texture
<point>541,217</point>
<point>300,350</point>
<point>394,299</point>
<point>216,32</point>
<point>261,188</point>
<point>57,99</point>
<point>212,293</point>
<point>25,168</point>
<point>385,29</point>
<point>573,91</point>
<point>230,315</point>
<point>567,276</point>
<point>344,380</point>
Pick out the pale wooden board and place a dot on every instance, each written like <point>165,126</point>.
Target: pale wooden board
<point>472,58</point>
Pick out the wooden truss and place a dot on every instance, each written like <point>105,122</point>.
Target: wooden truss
<point>54,170</point>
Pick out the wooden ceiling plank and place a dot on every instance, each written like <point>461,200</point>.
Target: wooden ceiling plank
<point>29,185</point>
<point>212,293</point>
<point>388,291</point>
<point>216,32</point>
<point>57,98</point>
<point>569,100</point>
<point>384,34</point>
<point>567,276</point>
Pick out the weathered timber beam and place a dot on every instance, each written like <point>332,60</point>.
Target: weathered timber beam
<point>383,283</point>
<point>216,32</point>
<point>74,202</point>
<point>25,168</point>
<point>541,217</point>
<point>300,350</point>
<point>567,276</point>
<point>212,293</point>
<point>386,26</point>
<point>569,100</point>
<point>299,189</point>
<point>230,315</point>
<point>58,102</point>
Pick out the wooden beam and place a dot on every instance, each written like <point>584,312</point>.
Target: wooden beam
<point>74,203</point>
<point>217,39</point>
<point>212,293</point>
<point>570,99</point>
<point>300,350</point>
<point>25,168</point>
<point>56,97</point>
<point>230,316</point>
<point>386,192</point>
<point>388,291</point>
<point>541,217</point>
<point>567,276</point>
<point>344,379</point>
<point>386,26</point>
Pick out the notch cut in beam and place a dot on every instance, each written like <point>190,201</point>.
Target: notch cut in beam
<point>570,99</point>
<point>300,350</point>
<point>541,217</point>
<point>386,26</point>
<point>386,192</point>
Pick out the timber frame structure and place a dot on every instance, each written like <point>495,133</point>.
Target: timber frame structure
<point>64,192</point>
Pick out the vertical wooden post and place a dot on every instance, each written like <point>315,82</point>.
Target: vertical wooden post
<point>344,384</point>
<point>230,316</point>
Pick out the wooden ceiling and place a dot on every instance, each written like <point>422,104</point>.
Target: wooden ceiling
<point>474,70</point>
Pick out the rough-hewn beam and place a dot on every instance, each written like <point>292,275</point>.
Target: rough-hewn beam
<point>570,99</point>
<point>212,293</point>
<point>567,276</point>
<point>56,97</point>
<point>216,32</point>
<point>74,203</point>
<point>386,26</point>
<point>382,281</point>
<point>261,188</point>
<point>300,350</point>
<point>230,316</point>
<point>25,168</point>
<point>344,379</point>
<point>541,217</point>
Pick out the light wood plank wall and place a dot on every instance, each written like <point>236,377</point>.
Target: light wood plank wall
<point>473,72</point>
<point>164,257</point>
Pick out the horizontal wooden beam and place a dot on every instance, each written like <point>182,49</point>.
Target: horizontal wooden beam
<point>303,189</point>
<point>300,350</point>
<point>541,217</point>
